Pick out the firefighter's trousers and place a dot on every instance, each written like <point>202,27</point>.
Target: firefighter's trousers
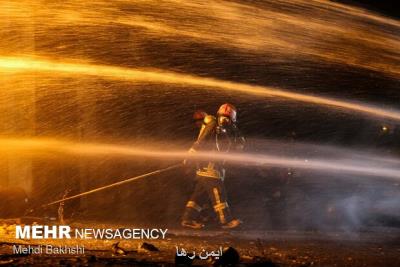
<point>211,190</point>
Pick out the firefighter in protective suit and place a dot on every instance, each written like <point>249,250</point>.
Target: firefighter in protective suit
<point>219,134</point>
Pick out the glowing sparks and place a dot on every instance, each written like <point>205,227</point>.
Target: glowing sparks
<point>385,128</point>
<point>20,64</point>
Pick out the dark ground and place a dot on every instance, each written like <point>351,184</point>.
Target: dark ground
<point>256,248</point>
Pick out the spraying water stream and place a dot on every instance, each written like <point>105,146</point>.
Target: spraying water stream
<point>318,29</point>
<point>344,165</point>
<point>159,76</point>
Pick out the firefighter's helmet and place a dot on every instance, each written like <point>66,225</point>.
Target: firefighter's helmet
<point>227,111</point>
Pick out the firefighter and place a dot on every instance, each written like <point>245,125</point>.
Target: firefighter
<point>219,134</point>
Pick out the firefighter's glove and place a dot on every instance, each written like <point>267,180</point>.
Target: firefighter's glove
<point>186,161</point>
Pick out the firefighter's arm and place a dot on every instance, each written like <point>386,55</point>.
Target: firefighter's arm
<point>240,140</point>
<point>240,143</point>
<point>205,130</point>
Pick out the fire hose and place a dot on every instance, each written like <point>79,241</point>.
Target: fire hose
<point>114,184</point>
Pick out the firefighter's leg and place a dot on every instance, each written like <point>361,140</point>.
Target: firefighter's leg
<point>217,194</point>
<point>193,207</point>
